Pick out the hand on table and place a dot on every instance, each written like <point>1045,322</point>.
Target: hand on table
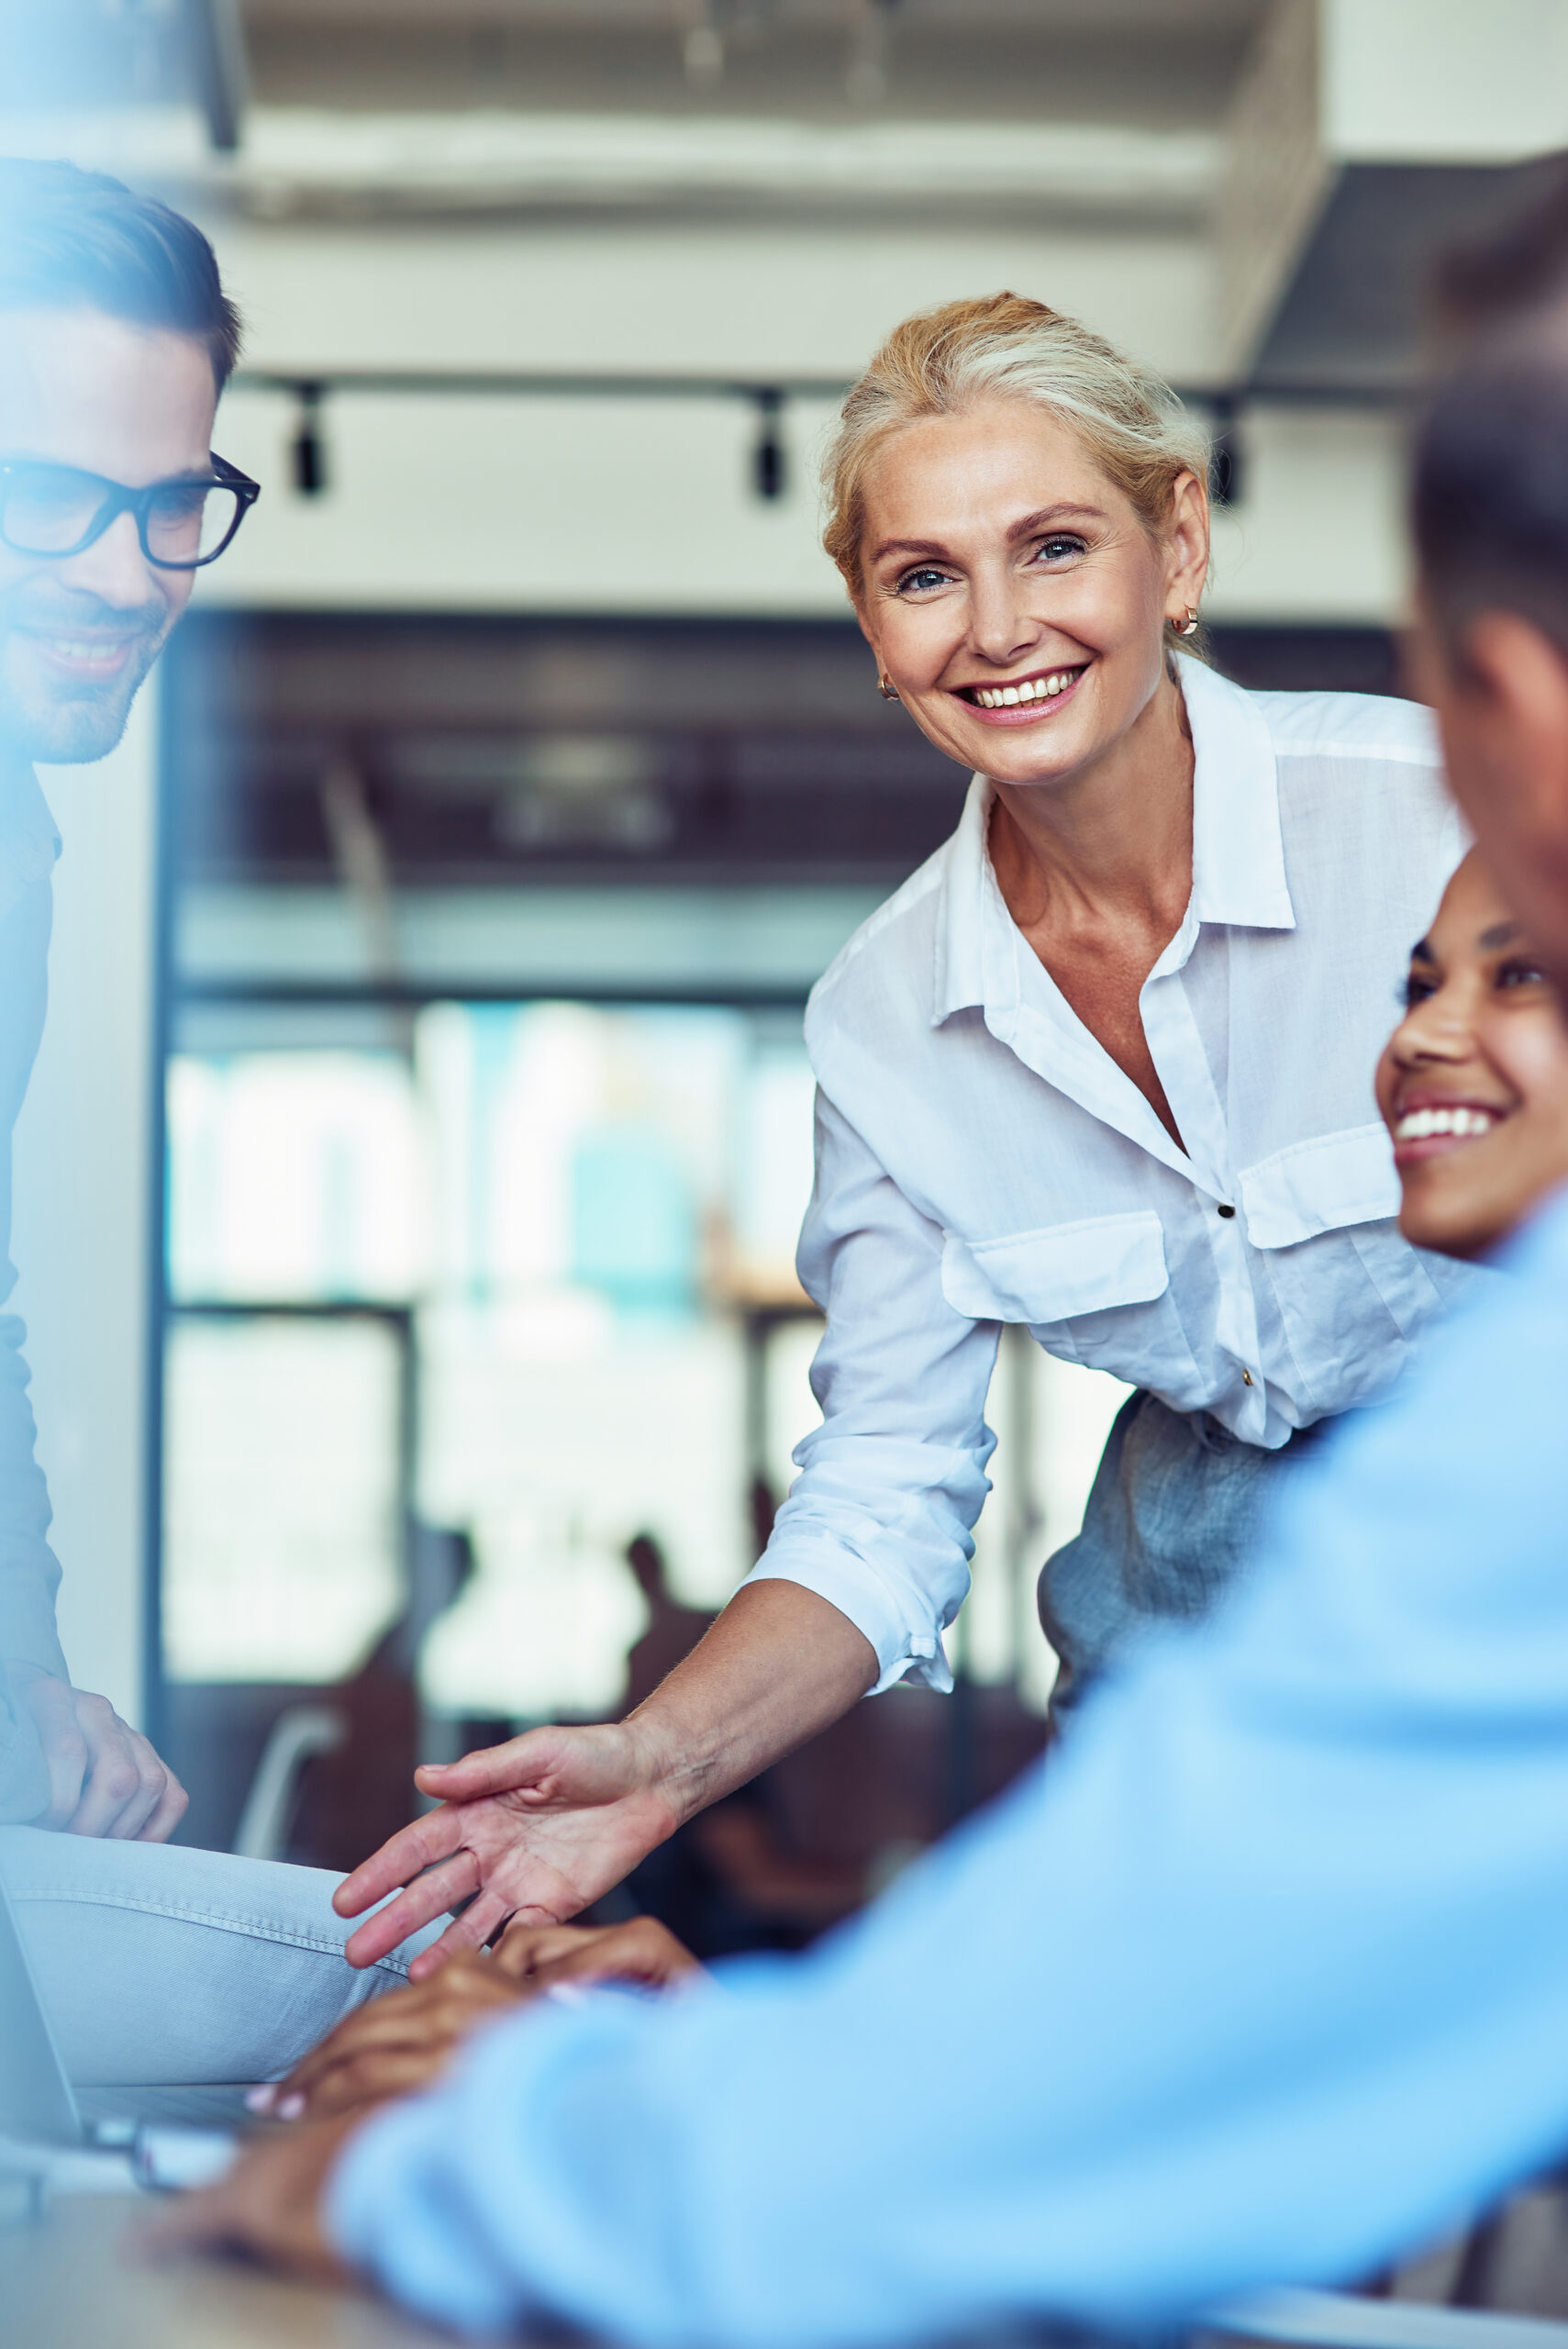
<point>267,2207</point>
<point>536,1828</point>
<point>402,2041</point>
<point>104,1777</point>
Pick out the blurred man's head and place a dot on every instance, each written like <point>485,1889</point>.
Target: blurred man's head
<point>116,340</point>
<point>1489,509</point>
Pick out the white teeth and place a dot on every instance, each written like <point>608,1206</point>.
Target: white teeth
<point>1420,1125</point>
<point>1031,689</point>
<point>70,648</point>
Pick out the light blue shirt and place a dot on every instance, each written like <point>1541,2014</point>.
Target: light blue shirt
<point>1262,1978</point>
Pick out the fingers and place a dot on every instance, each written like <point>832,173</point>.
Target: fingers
<point>370,2077</point>
<point>397,2015</point>
<point>51,1704</point>
<point>125,1779</point>
<point>640,1951</point>
<point>524,1947</point>
<point>171,1810</point>
<point>438,1889</point>
<point>478,1924</point>
<point>516,1766</point>
<point>399,2042</point>
<point>400,1859</point>
<point>643,1950</point>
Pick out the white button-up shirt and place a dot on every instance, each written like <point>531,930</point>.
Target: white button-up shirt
<point>981,1158</point>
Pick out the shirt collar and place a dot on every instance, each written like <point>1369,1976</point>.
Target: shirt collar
<point>1237,851</point>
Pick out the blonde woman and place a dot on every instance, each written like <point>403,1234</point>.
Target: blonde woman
<point>1100,1067</point>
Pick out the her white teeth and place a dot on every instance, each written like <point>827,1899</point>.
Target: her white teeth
<point>1031,689</point>
<point>1420,1125</point>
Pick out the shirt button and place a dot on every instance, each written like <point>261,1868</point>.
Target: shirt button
<point>1226,1211</point>
<point>1246,1378</point>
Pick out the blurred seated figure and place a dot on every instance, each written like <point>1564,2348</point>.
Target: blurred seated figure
<point>672,1631</point>
<point>729,1880</point>
<point>363,1789</point>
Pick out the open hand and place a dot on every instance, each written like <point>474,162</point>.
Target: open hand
<point>536,1828</point>
<point>104,1777</point>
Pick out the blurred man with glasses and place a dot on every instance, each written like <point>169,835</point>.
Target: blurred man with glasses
<point>117,339</point>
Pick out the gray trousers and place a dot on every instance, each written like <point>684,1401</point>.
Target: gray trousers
<point>1176,1510</point>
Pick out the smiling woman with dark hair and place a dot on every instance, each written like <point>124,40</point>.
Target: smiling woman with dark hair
<point>1474,1081</point>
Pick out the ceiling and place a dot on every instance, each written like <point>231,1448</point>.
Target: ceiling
<point>1155,64</point>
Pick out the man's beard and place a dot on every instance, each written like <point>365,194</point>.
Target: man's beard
<point>66,721</point>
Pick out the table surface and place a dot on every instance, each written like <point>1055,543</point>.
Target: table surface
<point>65,2283</point>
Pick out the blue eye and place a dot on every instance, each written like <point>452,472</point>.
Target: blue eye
<point>1060,549</point>
<point>920,580</point>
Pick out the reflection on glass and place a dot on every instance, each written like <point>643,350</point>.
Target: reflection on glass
<point>581,1204</point>
<point>283,1541</point>
<point>296,1176</point>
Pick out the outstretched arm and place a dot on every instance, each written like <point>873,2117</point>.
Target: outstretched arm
<point>867,1565</point>
<point>539,1827</point>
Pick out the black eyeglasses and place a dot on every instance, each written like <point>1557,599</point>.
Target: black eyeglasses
<point>55,510</point>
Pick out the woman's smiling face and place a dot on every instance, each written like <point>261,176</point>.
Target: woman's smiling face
<point>1012,593</point>
<point>1474,1081</point>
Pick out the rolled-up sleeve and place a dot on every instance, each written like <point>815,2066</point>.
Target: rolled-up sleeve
<point>879,1519</point>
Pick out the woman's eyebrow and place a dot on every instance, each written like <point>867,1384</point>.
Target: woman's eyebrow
<point>1501,933</point>
<point>1046,515</point>
<point>1422,952</point>
<point>908,546</point>
<point>1028,527</point>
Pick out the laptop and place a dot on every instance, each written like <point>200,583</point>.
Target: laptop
<point>39,2104</point>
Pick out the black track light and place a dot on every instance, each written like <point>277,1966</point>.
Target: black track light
<point>309,451</point>
<point>769,467</point>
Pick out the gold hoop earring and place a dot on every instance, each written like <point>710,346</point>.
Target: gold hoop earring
<point>1189,626</point>
<point>888,692</point>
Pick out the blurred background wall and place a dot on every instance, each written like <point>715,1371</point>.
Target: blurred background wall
<point>434,951</point>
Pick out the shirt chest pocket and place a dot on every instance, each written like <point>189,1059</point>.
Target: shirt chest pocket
<point>1096,1290</point>
<point>1321,1214</point>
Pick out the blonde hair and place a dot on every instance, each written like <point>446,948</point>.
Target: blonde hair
<point>1006,346</point>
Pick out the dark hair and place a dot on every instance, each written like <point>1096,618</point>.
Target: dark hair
<point>1489,495</point>
<point>1489,489</point>
<point>71,239</point>
<point>1517,265</point>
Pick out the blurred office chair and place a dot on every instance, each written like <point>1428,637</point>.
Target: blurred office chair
<point>297,1736</point>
